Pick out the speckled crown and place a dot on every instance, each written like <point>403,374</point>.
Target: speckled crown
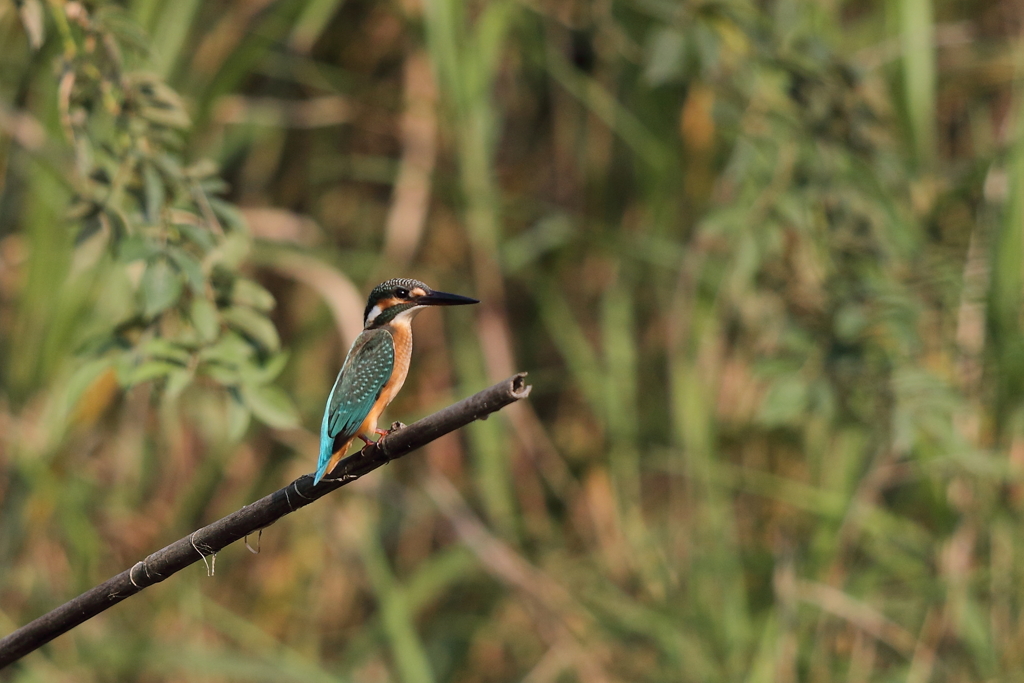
<point>386,290</point>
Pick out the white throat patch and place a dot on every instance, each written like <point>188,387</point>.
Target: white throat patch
<point>372,315</point>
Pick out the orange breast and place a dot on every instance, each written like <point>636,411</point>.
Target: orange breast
<point>401,331</point>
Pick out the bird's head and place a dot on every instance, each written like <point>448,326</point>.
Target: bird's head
<point>402,298</point>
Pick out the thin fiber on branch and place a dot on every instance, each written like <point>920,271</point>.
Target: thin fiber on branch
<point>212,538</point>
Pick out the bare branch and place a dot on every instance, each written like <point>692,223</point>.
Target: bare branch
<point>210,539</point>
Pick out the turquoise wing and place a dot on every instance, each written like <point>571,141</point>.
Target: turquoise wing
<point>366,370</point>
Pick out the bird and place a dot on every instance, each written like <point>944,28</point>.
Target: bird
<point>375,367</point>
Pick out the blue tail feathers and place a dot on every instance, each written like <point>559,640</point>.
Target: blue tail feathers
<point>326,449</point>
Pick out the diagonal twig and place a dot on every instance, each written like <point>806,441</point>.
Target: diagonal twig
<point>212,538</point>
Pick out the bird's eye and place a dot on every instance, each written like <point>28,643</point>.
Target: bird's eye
<point>402,293</point>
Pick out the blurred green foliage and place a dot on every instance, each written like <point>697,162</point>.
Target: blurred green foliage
<point>763,261</point>
<point>170,238</point>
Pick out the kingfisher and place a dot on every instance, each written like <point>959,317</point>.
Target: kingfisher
<point>376,366</point>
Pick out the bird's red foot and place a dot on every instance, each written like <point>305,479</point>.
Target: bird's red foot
<point>366,440</point>
<point>381,432</point>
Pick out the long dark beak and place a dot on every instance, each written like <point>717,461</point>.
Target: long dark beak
<point>444,299</point>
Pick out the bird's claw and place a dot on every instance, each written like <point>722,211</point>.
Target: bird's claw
<point>395,426</point>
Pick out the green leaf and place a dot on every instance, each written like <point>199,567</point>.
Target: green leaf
<point>666,53</point>
<point>204,318</point>
<point>253,325</point>
<point>229,214</point>
<point>271,405</point>
<point>850,322</point>
<point>223,374</point>
<point>247,293</point>
<point>157,102</point>
<point>191,268</point>
<point>231,349</point>
<point>229,253</point>
<point>197,235</point>
<point>161,287</point>
<point>204,168</point>
<point>238,419</point>
<point>156,194</point>
<point>169,165</point>
<point>137,248</point>
<point>214,185</point>
<point>785,402</point>
<point>170,117</point>
<point>268,372</point>
<point>149,370</point>
<point>159,348</point>
<point>177,382</point>
<point>119,227</point>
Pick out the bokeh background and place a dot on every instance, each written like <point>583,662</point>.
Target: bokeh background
<point>764,262</point>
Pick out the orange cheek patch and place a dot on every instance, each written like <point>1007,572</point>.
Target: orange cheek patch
<point>417,291</point>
